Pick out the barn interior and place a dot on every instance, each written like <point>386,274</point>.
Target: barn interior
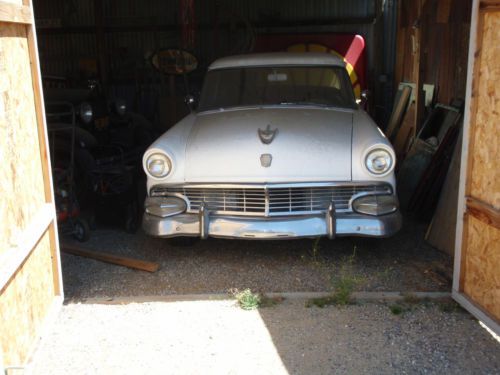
<point>134,65</point>
<point>116,75</point>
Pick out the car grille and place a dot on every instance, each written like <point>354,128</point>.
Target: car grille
<point>271,201</point>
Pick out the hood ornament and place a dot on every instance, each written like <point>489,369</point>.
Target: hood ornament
<point>265,160</point>
<point>267,135</point>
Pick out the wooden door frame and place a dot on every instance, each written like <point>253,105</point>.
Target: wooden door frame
<point>45,219</point>
<point>472,70</point>
<point>44,222</point>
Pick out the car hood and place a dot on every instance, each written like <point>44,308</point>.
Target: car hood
<point>310,145</point>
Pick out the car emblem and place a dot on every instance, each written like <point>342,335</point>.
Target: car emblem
<point>267,135</point>
<point>265,160</point>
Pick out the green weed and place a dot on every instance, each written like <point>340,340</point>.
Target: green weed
<point>397,309</point>
<point>249,300</point>
<point>449,306</point>
<point>266,301</point>
<point>344,282</point>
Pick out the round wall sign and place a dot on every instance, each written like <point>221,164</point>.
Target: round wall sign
<point>174,61</point>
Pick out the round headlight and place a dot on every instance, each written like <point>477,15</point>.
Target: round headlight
<point>86,112</point>
<point>379,161</point>
<point>158,165</point>
<point>120,106</point>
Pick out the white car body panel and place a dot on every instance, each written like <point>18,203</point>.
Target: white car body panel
<point>311,144</point>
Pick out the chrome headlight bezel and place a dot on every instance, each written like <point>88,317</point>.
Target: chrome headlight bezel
<point>161,161</point>
<point>165,206</point>
<point>379,161</point>
<point>375,204</point>
<point>86,112</point>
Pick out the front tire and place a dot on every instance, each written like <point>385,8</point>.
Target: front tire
<point>81,230</point>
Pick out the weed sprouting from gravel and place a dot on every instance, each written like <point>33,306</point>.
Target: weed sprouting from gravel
<point>397,309</point>
<point>344,289</point>
<point>344,281</point>
<point>386,273</point>
<point>321,301</point>
<point>449,306</point>
<point>249,300</point>
<point>315,249</point>
<point>314,254</point>
<point>266,301</point>
<point>410,301</point>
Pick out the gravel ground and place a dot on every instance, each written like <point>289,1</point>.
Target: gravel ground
<point>216,337</point>
<point>401,263</point>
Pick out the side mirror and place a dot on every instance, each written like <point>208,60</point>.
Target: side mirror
<point>190,102</point>
<point>363,101</point>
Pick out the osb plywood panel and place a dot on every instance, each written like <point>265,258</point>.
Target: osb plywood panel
<point>21,179</point>
<point>17,2</point>
<point>482,266</point>
<point>485,171</point>
<point>24,303</point>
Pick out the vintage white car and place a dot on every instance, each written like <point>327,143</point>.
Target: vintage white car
<point>278,148</point>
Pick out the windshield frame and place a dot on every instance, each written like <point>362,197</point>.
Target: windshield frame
<point>283,104</point>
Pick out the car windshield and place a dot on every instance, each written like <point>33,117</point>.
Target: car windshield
<point>327,86</point>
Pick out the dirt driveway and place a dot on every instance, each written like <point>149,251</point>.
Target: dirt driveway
<point>216,337</point>
<point>106,334</point>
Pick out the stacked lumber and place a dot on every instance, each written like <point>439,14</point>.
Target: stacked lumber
<point>428,162</point>
<point>424,166</point>
<point>441,231</point>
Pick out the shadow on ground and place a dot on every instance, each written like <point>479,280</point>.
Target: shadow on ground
<point>369,339</point>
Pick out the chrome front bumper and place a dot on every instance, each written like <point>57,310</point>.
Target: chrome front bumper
<point>204,225</point>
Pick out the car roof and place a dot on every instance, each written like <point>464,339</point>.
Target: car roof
<point>277,58</point>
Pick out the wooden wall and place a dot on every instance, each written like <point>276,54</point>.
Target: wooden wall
<point>439,52</point>
<point>478,241</point>
<point>30,283</point>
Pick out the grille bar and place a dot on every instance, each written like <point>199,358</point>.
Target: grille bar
<point>271,201</point>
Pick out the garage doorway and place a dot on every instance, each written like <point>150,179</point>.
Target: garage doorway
<point>103,71</point>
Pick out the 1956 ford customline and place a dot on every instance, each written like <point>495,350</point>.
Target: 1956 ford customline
<point>277,148</point>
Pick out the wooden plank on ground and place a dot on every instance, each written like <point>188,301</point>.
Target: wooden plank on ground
<point>137,264</point>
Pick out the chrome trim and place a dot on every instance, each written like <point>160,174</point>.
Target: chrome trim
<point>396,205</point>
<point>180,196</point>
<point>204,218</point>
<point>364,194</point>
<point>271,185</point>
<point>331,220</point>
<point>266,200</point>
<point>271,200</point>
<point>155,203</point>
<point>273,228</point>
<point>267,135</point>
